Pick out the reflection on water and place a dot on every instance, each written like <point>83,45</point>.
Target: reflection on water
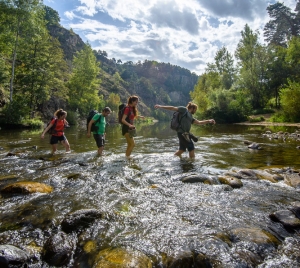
<point>148,208</point>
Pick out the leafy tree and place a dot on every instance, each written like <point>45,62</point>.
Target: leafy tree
<point>113,101</point>
<point>51,16</point>
<point>84,83</point>
<point>293,58</point>
<point>225,67</point>
<point>290,98</point>
<point>253,59</point>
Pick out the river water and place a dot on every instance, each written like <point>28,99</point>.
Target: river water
<point>149,209</point>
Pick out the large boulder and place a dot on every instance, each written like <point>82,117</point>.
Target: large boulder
<point>26,187</point>
<point>11,256</point>
<point>80,219</point>
<point>287,218</point>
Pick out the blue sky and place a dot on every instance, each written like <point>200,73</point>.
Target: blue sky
<point>184,33</point>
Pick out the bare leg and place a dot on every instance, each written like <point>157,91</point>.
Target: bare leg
<point>67,145</point>
<point>130,144</point>
<point>192,154</point>
<point>54,148</point>
<point>179,153</point>
<point>100,150</point>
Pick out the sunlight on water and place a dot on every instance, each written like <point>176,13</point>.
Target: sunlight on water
<point>147,207</point>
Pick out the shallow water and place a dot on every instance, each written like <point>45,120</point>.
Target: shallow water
<point>148,207</point>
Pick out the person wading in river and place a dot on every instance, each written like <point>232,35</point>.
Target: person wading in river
<point>128,129</point>
<point>58,135</point>
<point>186,120</point>
<point>99,134</point>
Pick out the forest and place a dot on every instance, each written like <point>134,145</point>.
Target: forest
<point>44,67</point>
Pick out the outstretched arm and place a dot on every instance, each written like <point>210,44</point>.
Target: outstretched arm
<point>203,122</point>
<point>171,108</point>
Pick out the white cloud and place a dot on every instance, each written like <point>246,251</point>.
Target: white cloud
<point>185,33</point>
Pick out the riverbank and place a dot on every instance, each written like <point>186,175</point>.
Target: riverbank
<point>267,122</point>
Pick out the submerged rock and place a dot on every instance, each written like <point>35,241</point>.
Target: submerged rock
<point>254,146</point>
<point>255,235</point>
<point>58,249</point>
<point>121,258</point>
<point>199,178</point>
<point>292,179</point>
<point>233,182</point>
<point>295,208</point>
<point>287,218</point>
<point>26,187</point>
<point>80,219</point>
<point>11,256</point>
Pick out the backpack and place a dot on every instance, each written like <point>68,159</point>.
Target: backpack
<point>121,112</point>
<point>175,121</point>
<point>52,129</point>
<point>89,118</point>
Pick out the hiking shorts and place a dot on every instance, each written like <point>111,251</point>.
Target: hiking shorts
<point>125,129</point>
<point>100,140</point>
<point>56,139</point>
<point>184,144</point>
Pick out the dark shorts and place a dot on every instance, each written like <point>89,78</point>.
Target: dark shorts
<point>100,141</point>
<point>184,144</point>
<point>56,139</point>
<point>124,129</point>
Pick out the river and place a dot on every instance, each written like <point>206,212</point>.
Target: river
<point>147,207</point>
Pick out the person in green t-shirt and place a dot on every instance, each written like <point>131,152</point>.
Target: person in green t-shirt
<point>99,134</point>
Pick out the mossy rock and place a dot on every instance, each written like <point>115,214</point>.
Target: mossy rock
<point>26,187</point>
<point>255,235</point>
<point>121,258</point>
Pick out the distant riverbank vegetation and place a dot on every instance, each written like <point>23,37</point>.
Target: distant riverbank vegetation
<point>44,67</point>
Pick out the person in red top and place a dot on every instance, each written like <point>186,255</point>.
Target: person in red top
<point>130,113</point>
<point>58,136</point>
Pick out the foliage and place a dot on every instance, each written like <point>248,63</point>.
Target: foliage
<point>83,83</point>
<point>283,25</point>
<point>73,118</point>
<point>290,99</point>
<point>33,123</point>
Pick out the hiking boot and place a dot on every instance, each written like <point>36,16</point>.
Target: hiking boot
<point>193,137</point>
<point>186,136</point>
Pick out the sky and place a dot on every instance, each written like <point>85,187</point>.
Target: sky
<point>186,33</point>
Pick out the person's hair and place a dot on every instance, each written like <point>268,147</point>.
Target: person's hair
<point>59,113</point>
<point>191,105</point>
<point>106,109</point>
<point>131,99</point>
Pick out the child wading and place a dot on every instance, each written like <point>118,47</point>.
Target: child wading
<point>58,136</point>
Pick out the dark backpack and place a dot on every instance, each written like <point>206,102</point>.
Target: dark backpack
<point>52,129</point>
<point>89,118</point>
<point>176,120</point>
<point>121,112</point>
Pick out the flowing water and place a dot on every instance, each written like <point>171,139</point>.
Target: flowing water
<point>148,208</point>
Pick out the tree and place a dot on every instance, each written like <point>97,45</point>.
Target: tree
<point>283,25</point>
<point>253,60</point>
<point>290,98</point>
<point>51,16</point>
<point>84,83</point>
<point>225,67</point>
